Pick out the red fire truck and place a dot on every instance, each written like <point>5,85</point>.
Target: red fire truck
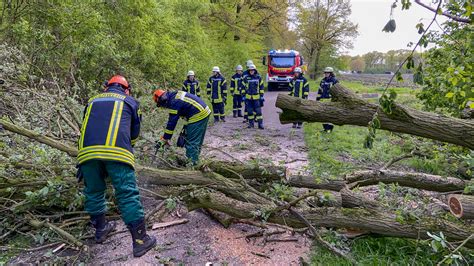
<point>281,65</point>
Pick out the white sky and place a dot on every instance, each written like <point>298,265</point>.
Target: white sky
<point>372,15</point>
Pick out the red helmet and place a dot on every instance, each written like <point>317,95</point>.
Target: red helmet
<point>119,80</point>
<point>157,94</point>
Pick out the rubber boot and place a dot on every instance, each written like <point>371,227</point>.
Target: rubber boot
<point>102,227</point>
<point>260,124</point>
<point>235,113</point>
<point>251,124</point>
<point>239,113</point>
<point>223,118</point>
<point>142,242</point>
<point>216,119</point>
<point>294,125</point>
<point>299,125</point>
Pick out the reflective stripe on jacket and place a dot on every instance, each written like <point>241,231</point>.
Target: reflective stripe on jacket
<point>217,88</point>
<point>299,87</point>
<point>110,127</point>
<point>185,105</point>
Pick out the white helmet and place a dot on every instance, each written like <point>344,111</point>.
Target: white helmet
<point>298,70</point>
<point>216,69</point>
<point>249,62</point>
<point>252,67</point>
<point>190,73</point>
<point>328,70</point>
<point>239,67</point>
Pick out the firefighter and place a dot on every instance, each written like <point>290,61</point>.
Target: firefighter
<point>191,84</point>
<point>244,74</point>
<point>194,110</point>
<point>299,87</point>
<point>253,90</point>
<point>110,128</point>
<point>217,90</point>
<point>324,91</point>
<point>236,91</point>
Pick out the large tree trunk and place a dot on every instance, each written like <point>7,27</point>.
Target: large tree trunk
<point>348,109</point>
<point>373,221</point>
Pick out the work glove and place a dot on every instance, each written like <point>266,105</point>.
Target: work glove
<point>79,174</point>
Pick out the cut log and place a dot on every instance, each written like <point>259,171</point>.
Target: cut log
<point>348,109</point>
<point>461,206</point>
<point>406,179</point>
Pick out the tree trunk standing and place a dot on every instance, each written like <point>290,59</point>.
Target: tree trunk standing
<point>348,109</point>
<point>316,61</point>
<point>461,206</point>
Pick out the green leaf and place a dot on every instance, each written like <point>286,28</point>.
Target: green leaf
<point>449,95</point>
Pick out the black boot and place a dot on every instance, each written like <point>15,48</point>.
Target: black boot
<point>142,242</point>
<point>102,227</point>
<point>223,118</point>
<point>239,113</point>
<point>294,125</point>
<point>216,119</point>
<point>235,113</point>
<point>251,125</point>
<point>260,124</point>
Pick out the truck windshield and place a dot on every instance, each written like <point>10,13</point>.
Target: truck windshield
<point>282,61</point>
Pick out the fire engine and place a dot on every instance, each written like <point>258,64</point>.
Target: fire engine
<point>280,67</point>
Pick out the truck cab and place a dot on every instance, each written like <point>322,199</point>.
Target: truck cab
<point>280,68</point>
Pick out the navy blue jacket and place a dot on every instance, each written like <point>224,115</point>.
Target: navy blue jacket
<point>217,88</point>
<point>110,127</point>
<point>192,87</point>
<point>253,87</point>
<point>324,91</point>
<point>299,87</point>
<point>185,105</point>
<point>236,84</point>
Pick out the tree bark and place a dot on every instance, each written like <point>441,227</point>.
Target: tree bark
<point>311,182</point>
<point>461,206</point>
<point>373,221</point>
<point>406,179</point>
<point>348,109</point>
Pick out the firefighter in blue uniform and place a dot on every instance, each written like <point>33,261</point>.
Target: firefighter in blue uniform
<point>299,88</point>
<point>217,91</point>
<point>110,128</point>
<point>244,74</point>
<point>236,91</point>
<point>191,84</point>
<point>194,110</point>
<point>252,91</point>
<point>324,91</point>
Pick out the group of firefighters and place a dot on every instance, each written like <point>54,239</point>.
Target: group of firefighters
<point>111,126</point>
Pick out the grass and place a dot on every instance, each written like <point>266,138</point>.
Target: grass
<point>380,251</point>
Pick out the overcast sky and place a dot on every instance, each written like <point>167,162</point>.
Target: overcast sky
<point>372,15</point>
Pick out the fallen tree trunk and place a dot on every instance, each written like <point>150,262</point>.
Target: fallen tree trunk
<point>377,222</point>
<point>461,206</point>
<point>406,179</point>
<point>348,109</point>
<point>311,182</point>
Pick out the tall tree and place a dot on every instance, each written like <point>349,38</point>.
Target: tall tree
<point>323,24</point>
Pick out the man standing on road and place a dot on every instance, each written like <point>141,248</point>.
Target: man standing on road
<point>217,90</point>
<point>110,128</point>
<point>299,88</point>
<point>236,91</point>
<point>253,92</point>
<point>191,108</point>
<point>324,91</point>
<point>244,74</point>
<point>191,84</point>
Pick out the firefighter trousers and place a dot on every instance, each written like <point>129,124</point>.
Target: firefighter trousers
<point>124,182</point>
<point>195,134</point>
<point>218,109</point>
<point>254,110</point>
